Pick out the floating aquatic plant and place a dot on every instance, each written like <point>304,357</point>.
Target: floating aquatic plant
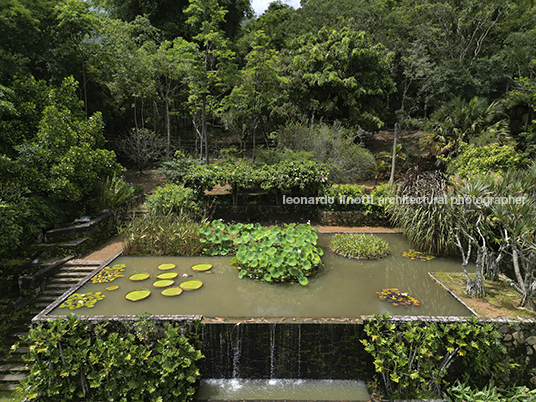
<point>397,297</point>
<point>169,292</point>
<point>138,295</point>
<point>167,275</point>
<point>166,267</point>
<point>139,277</point>
<point>163,283</point>
<point>109,274</point>
<point>79,300</point>
<point>192,284</point>
<point>111,288</point>
<point>414,255</point>
<point>201,267</point>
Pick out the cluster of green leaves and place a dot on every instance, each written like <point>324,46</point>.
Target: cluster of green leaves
<point>413,360</point>
<point>360,246</point>
<point>493,158</point>
<point>279,254</point>
<point>223,239</point>
<point>113,193</point>
<point>72,360</point>
<point>172,198</point>
<point>491,393</point>
<point>171,234</point>
<point>175,169</point>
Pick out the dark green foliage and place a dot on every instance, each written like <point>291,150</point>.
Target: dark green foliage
<point>415,359</point>
<point>177,168</point>
<point>169,234</point>
<point>359,246</point>
<point>463,392</point>
<point>74,360</point>
<point>113,193</point>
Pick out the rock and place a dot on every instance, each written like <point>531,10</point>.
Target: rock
<point>508,337</point>
<point>516,335</point>
<point>531,340</point>
<point>530,351</point>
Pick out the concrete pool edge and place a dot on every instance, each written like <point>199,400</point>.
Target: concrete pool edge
<point>431,274</point>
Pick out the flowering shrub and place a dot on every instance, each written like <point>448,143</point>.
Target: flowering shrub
<point>172,198</point>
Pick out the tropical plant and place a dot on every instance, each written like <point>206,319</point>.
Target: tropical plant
<point>171,234</point>
<point>279,254</point>
<point>223,239</point>
<point>113,193</point>
<point>175,169</point>
<point>420,208</point>
<point>412,360</point>
<point>459,121</point>
<point>359,246</point>
<point>490,393</point>
<point>172,199</point>
<point>72,360</point>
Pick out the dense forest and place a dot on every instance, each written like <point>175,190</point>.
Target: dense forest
<point>84,84</point>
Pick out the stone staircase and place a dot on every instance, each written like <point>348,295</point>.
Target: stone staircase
<point>12,366</point>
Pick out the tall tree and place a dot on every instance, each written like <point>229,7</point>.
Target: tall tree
<point>209,79</point>
<point>260,89</point>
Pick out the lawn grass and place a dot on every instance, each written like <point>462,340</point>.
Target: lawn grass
<point>499,295</point>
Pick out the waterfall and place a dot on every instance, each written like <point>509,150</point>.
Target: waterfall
<point>272,349</point>
<point>237,350</point>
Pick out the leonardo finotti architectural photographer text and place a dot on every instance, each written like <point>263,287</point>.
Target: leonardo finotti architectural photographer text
<point>368,199</point>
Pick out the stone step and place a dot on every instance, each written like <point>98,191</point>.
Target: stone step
<point>8,386</point>
<point>54,293</point>
<point>12,377</point>
<point>83,263</point>
<point>72,275</point>
<point>11,359</point>
<point>13,368</point>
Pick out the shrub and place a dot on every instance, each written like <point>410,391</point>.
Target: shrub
<point>274,156</point>
<point>278,254</point>
<point>170,234</point>
<point>359,246</point>
<point>142,146</point>
<point>333,145</point>
<point>172,198</point>
<point>490,393</point>
<point>113,193</point>
<point>73,360</point>
<point>177,168</point>
<point>493,158</point>
<point>413,360</point>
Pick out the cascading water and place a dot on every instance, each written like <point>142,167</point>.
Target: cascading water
<point>272,349</point>
<point>237,350</point>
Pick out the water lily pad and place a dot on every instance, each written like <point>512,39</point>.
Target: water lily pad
<point>139,277</point>
<point>167,275</point>
<point>138,295</point>
<point>163,283</point>
<point>166,267</point>
<point>79,300</point>
<point>109,274</point>
<point>111,288</point>
<point>192,284</point>
<point>201,267</point>
<point>175,291</point>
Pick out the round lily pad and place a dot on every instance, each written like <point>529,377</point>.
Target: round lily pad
<point>139,277</point>
<point>163,283</point>
<point>110,288</point>
<point>175,291</point>
<point>201,267</point>
<point>138,295</point>
<point>166,267</point>
<point>192,284</point>
<point>167,275</point>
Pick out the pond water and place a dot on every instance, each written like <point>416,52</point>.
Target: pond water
<point>282,389</point>
<point>343,288</point>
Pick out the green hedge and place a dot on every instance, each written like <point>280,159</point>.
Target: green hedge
<point>75,360</point>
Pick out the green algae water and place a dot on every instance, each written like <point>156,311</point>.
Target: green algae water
<point>343,288</point>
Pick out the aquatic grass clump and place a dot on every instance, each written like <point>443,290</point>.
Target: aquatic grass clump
<point>152,235</point>
<point>359,246</point>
